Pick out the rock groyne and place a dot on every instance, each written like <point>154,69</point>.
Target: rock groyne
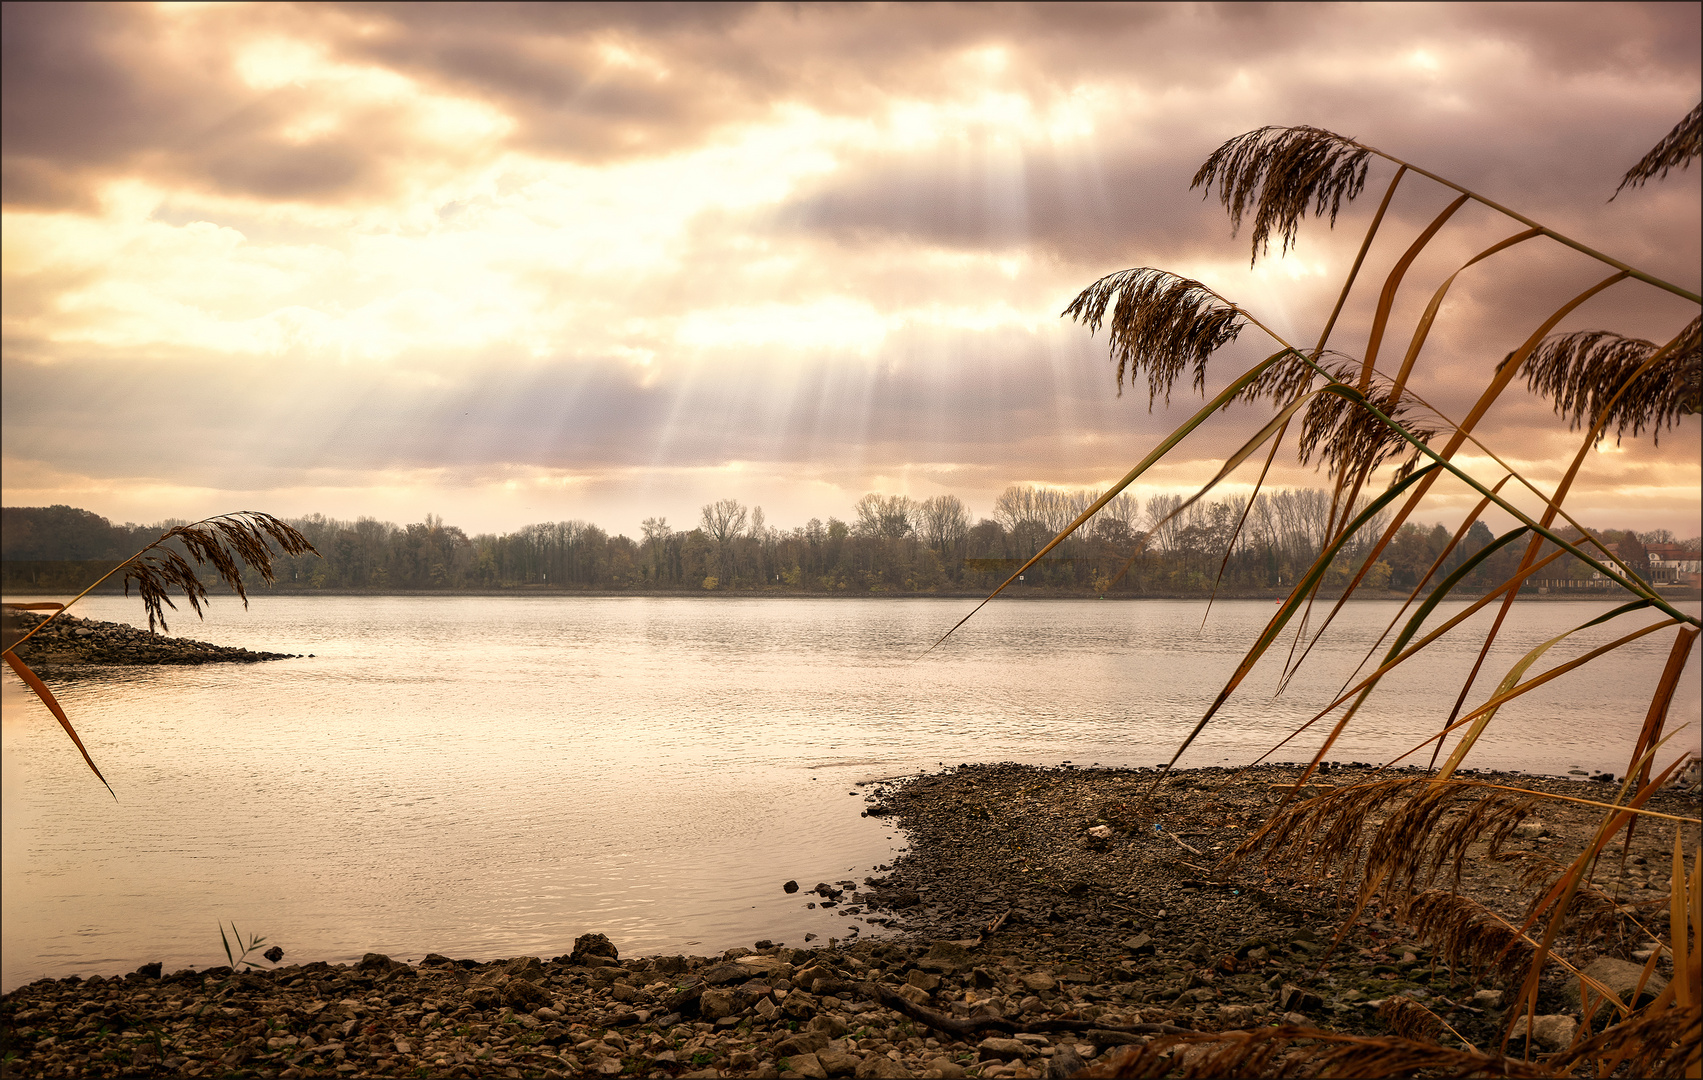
<point>70,641</point>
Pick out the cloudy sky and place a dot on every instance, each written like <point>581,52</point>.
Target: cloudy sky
<point>521,263</point>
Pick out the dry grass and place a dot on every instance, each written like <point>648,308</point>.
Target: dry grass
<point>1403,843</point>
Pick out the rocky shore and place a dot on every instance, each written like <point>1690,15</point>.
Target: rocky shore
<point>69,641</point>
<point>1043,922</point>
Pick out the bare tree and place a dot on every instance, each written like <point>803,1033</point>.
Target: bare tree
<point>945,522</point>
<point>724,519</point>
<point>888,516</point>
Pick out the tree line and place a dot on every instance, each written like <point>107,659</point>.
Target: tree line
<point>886,544</point>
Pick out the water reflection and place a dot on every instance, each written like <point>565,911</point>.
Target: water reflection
<point>491,776</point>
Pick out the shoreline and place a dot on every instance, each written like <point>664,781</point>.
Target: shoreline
<point>1015,942</point>
<point>1017,593</point>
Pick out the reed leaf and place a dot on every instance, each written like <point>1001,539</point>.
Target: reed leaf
<point>1223,398</point>
<point>1559,898</point>
<point>1654,720</point>
<point>1287,609</point>
<point>1514,362</point>
<point>1392,285</point>
<point>34,682</point>
<point>1460,617</point>
<point>1512,678</point>
<point>1396,656</point>
<point>1498,700</point>
<point>1676,150</point>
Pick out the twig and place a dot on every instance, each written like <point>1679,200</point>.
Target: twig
<point>1185,847</point>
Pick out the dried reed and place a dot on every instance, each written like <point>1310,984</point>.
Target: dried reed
<point>227,543</point>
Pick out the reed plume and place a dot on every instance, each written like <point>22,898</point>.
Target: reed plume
<point>1279,172</point>
<point>1404,843</point>
<point>1160,323</point>
<point>1599,379</point>
<point>1676,150</point>
<point>226,543</point>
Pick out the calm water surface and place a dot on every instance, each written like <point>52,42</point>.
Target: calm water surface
<point>492,776</point>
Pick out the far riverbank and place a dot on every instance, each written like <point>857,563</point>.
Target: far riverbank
<point>1015,592</point>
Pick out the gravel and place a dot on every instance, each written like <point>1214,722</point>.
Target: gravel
<point>1040,919</point>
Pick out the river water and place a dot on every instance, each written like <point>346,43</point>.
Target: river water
<point>493,776</point>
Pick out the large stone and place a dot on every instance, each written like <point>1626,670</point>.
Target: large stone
<point>1620,977</point>
<point>758,964</point>
<point>1139,945</point>
<point>992,1049</point>
<point>804,1065</point>
<point>374,962</point>
<point>529,968</point>
<point>730,971</point>
<point>880,1067</point>
<point>520,994</point>
<point>1232,1017</point>
<point>949,953</point>
<point>587,945</point>
<point>1065,1063</point>
<point>922,980</point>
<point>837,1062</point>
<point>482,997</point>
<point>1248,945</point>
<point>715,1004</point>
<point>1037,981</point>
<point>831,1026</point>
<point>1552,1033</point>
<point>1293,998</point>
<point>805,1042</point>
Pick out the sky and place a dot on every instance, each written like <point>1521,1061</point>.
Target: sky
<point>521,263</point>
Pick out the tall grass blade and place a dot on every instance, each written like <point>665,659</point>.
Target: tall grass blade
<point>1512,678</point>
<point>1388,665</point>
<point>1287,610</point>
<point>1392,285</point>
<point>1395,656</point>
<point>1662,699</point>
<point>1224,397</point>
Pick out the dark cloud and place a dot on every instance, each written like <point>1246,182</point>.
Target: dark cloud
<point>94,90</point>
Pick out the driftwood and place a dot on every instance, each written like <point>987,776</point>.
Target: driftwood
<point>970,1025</point>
